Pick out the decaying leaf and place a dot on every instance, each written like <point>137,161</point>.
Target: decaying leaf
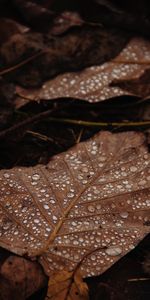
<point>66,285</point>
<point>85,210</point>
<point>65,21</point>
<point>20,278</point>
<point>58,54</point>
<point>9,27</point>
<point>34,13</point>
<point>94,84</point>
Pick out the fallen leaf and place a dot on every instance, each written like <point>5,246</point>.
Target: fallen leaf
<point>110,5</point>
<point>139,87</point>
<point>59,54</point>
<point>34,14</point>
<point>83,211</point>
<point>9,27</point>
<point>134,6</point>
<point>146,264</point>
<point>65,21</point>
<point>94,84</point>
<point>20,278</point>
<point>66,285</point>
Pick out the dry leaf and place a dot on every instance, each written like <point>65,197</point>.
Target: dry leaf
<point>20,278</point>
<point>66,285</point>
<point>34,14</point>
<point>110,5</point>
<point>65,21</point>
<point>85,210</point>
<point>94,84</point>
<point>58,55</point>
<point>9,27</point>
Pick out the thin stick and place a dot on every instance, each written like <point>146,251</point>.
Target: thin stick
<point>138,279</point>
<point>99,124</point>
<point>34,119</point>
<point>22,63</point>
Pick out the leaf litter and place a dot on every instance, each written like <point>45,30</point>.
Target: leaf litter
<point>96,83</point>
<point>102,214</point>
<point>83,211</point>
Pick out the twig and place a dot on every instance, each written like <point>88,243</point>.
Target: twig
<point>29,121</point>
<point>22,63</point>
<point>40,136</point>
<point>138,279</point>
<point>99,124</point>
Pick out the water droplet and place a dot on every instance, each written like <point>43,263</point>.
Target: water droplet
<point>98,206</point>
<point>131,247</point>
<point>16,232</point>
<point>124,215</point>
<point>93,257</point>
<point>148,202</point>
<point>118,224</point>
<point>133,169</point>
<point>42,190</point>
<point>85,169</point>
<point>46,206</point>
<point>34,183</point>
<point>6,175</point>
<point>91,208</point>
<point>70,195</point>
<point>98,239</point>
<point>81,240</point>
<point>36,176</point>
<point>93,152</point>
<point>113,251</point>
<point>24,209</point>
<point>142,182</point>
<point>102,158</point>
<point>36,221</point>
<point>75,243</point>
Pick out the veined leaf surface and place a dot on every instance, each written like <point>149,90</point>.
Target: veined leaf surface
<point>86,209</point>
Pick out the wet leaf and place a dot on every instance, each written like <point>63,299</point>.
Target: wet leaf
<point>85,210</point>
<point>66,285</point>
<point>139,87</point>
<point>94,84</point>
<point>57,54</point>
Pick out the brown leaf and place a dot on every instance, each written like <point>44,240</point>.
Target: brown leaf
<point>20,278</point>
<point>34,14</point>
<point>65,21</point>
<point>110,5</point>
<point>85,210</point>
<point>58,55</point>
<point>66,285</point>
<point>139,87</point>
<point>8,28</point>
<point>94,84</point>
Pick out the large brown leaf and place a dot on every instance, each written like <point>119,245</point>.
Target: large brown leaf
<point>94,84</point>
<point>85,210</point>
